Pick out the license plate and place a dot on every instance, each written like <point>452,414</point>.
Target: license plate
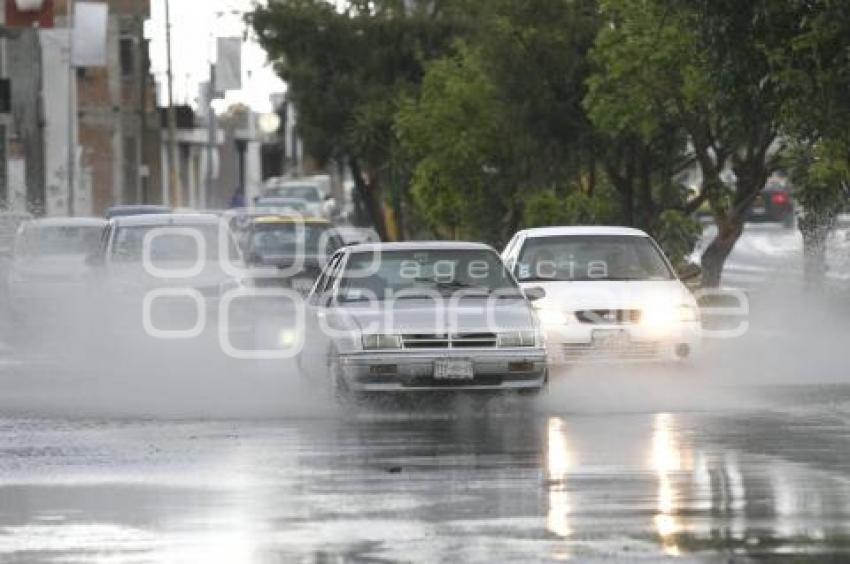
<point>446,369</point>
<point>610,338</point>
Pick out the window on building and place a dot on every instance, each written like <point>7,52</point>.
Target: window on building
<point>126,45</point>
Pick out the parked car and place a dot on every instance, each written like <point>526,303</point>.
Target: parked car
<point>135,209</point>
<point>48,269</point>
<point>288,251</point>
<point>774,203</point>
<point>611,295</point>
<point>405,317</point>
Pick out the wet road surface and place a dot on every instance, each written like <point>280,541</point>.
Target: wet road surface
<point>434,484</point>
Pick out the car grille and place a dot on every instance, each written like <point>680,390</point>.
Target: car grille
<point>590,352</point>
<point>609,316</point>
<point>448,341</point>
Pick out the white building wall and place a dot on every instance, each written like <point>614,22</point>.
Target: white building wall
<point>56,79</point>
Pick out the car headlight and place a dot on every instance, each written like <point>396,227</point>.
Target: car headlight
<point>518,339</point>
<point>379,341</point>
<point>667,317</point>
<point>287,338</point>
<point>688,313</point>
<point>551,317</point>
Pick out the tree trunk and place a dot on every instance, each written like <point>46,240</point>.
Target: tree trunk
<point>370,195</point>
<point>815,232</point>
<point>714,257</point>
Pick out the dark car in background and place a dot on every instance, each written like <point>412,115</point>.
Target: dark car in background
<point>288,251</point>
<point>774,204</point>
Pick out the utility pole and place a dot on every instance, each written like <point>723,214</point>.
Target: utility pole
<point>212,126</point>
<point>72,87</point>
<point>175,187</point>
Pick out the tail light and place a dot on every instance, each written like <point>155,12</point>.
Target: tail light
<point>779,198</point>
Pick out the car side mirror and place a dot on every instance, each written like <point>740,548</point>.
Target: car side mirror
<point>690,271</point>
<point>535,293</point>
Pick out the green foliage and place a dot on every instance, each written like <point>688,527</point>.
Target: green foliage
<point>650,70</point>
<point>677,234</point>
<point>501,116</point>
<point>546,208</point>
<point>454,134</point>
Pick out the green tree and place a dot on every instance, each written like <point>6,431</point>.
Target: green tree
<point>456,134</point>
<point>813,68</point>
<point>698,68</point>
<point>346,72</point>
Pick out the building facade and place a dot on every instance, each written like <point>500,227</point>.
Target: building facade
<point>88,132</point>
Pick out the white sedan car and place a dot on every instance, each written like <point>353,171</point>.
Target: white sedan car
<point>611,295</point>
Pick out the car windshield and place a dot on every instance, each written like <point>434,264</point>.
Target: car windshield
<point>288,239</point>
<point>58,240</point>
<point>171,243</point>
<point>298,192</point>
<point>591,257</point>
<point>412,273</point>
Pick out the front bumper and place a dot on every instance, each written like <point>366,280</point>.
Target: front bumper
<point>576,344</point>
<point>415,370</point>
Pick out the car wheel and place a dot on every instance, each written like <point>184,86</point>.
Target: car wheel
<point>338,389</point>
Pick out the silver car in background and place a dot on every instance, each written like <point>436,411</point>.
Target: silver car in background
<point>401,317</point>
<point>48,271</point>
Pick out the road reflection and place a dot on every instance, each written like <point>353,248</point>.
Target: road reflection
<point>667,459</point>
<point>699,495</point>
<point>557,466</point>
<point>422,488</point>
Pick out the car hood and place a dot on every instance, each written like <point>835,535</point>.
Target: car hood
<point>601,294</point>
<point>470,315</point>
<point>134,275</point>
<point>308,262</point>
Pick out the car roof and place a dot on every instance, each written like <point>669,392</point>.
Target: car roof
<point>578,230</point>
<point>67,222</point>
<point>280,199</point>
<point>134,209</point>
<point>166,219</point>
<point>288,219</point>
<point>421,246</point>
<point>294,182</point>
<point>138,207</point>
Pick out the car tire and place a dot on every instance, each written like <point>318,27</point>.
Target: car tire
<point>338,389</point>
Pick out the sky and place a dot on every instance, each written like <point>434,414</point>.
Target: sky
<point>195,24</point>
